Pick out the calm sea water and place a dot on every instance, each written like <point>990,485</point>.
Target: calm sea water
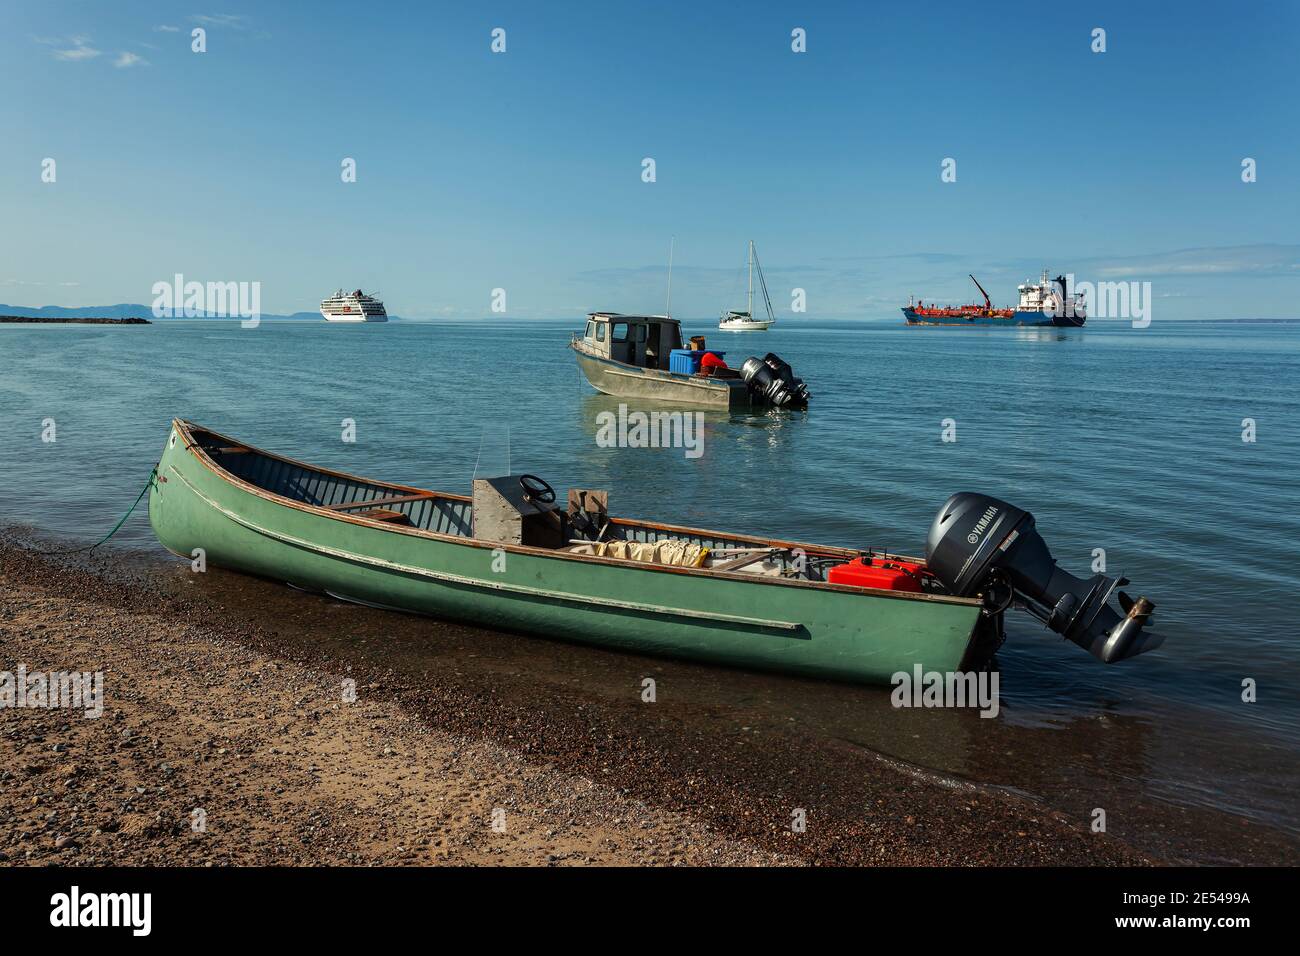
<point>1115,438</point>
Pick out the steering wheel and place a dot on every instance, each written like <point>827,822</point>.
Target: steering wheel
<point>537,490</point>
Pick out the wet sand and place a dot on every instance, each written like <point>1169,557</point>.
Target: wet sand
<point>225,693</point>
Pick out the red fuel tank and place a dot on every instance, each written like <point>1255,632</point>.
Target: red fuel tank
<point>878,573</point>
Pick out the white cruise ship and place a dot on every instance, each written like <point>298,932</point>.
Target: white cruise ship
<point>353,307</point>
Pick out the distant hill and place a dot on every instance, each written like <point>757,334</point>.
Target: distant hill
<point>122,311</point>
<point>125,310</point>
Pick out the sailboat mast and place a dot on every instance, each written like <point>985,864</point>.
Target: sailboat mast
<point>751,278</point>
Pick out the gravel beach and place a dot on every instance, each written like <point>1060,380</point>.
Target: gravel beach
<point>228,738</point>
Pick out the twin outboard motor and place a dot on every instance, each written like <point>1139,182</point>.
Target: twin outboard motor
<point>978,543</point>
<point>772,380</point>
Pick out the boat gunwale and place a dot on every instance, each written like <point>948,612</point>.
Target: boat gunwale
<point>183,428</point>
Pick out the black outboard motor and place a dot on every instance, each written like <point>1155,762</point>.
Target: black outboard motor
<point>772,380</point>
<point>978,543</point>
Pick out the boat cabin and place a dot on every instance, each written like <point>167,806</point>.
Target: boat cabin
<point>645,341</point>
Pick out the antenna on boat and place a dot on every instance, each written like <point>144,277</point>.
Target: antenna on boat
<point>669,307</point>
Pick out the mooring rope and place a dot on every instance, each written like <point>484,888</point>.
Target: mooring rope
<point>151,483</point>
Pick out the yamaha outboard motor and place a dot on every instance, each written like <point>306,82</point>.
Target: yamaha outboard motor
<point>772,380</point>
<point>978,543</point>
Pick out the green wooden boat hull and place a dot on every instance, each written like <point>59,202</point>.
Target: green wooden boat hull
<point>277,531</point>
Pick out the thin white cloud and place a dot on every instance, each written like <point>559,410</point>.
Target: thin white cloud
<point>232,20</point>
<point>1243,260</point>
<point>1268,259</point>
<point>80,49</point>
<point>166,28</point>
<point>125,59</point>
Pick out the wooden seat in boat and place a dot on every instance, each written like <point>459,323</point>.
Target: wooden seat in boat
<point>335,491</point>
<point>392,500</point>
<point>736,564</point>
<point>385,514</point>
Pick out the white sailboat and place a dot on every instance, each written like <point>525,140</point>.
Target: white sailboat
<point>733,321</point>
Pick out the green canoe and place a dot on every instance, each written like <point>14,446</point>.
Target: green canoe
<point>404,548</point>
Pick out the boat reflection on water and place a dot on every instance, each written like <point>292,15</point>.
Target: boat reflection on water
<point>737,453</point>
<point>597,411</point>
<point>1031,333</point>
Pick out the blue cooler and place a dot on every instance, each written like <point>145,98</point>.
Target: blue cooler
<point>687,361</point>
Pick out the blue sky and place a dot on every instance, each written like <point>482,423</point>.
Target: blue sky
<point>522,170</point>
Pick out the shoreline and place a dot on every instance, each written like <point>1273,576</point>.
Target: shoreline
<point>273,765</point>
<point>55,320</point>
<point>227,713</point>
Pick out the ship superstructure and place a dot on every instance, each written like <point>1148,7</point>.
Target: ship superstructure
<point>1046,302</point>
<point>353,307</point>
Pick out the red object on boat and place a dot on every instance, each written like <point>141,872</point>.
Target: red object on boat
<point>883,573</point>
<point>709,360</point>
